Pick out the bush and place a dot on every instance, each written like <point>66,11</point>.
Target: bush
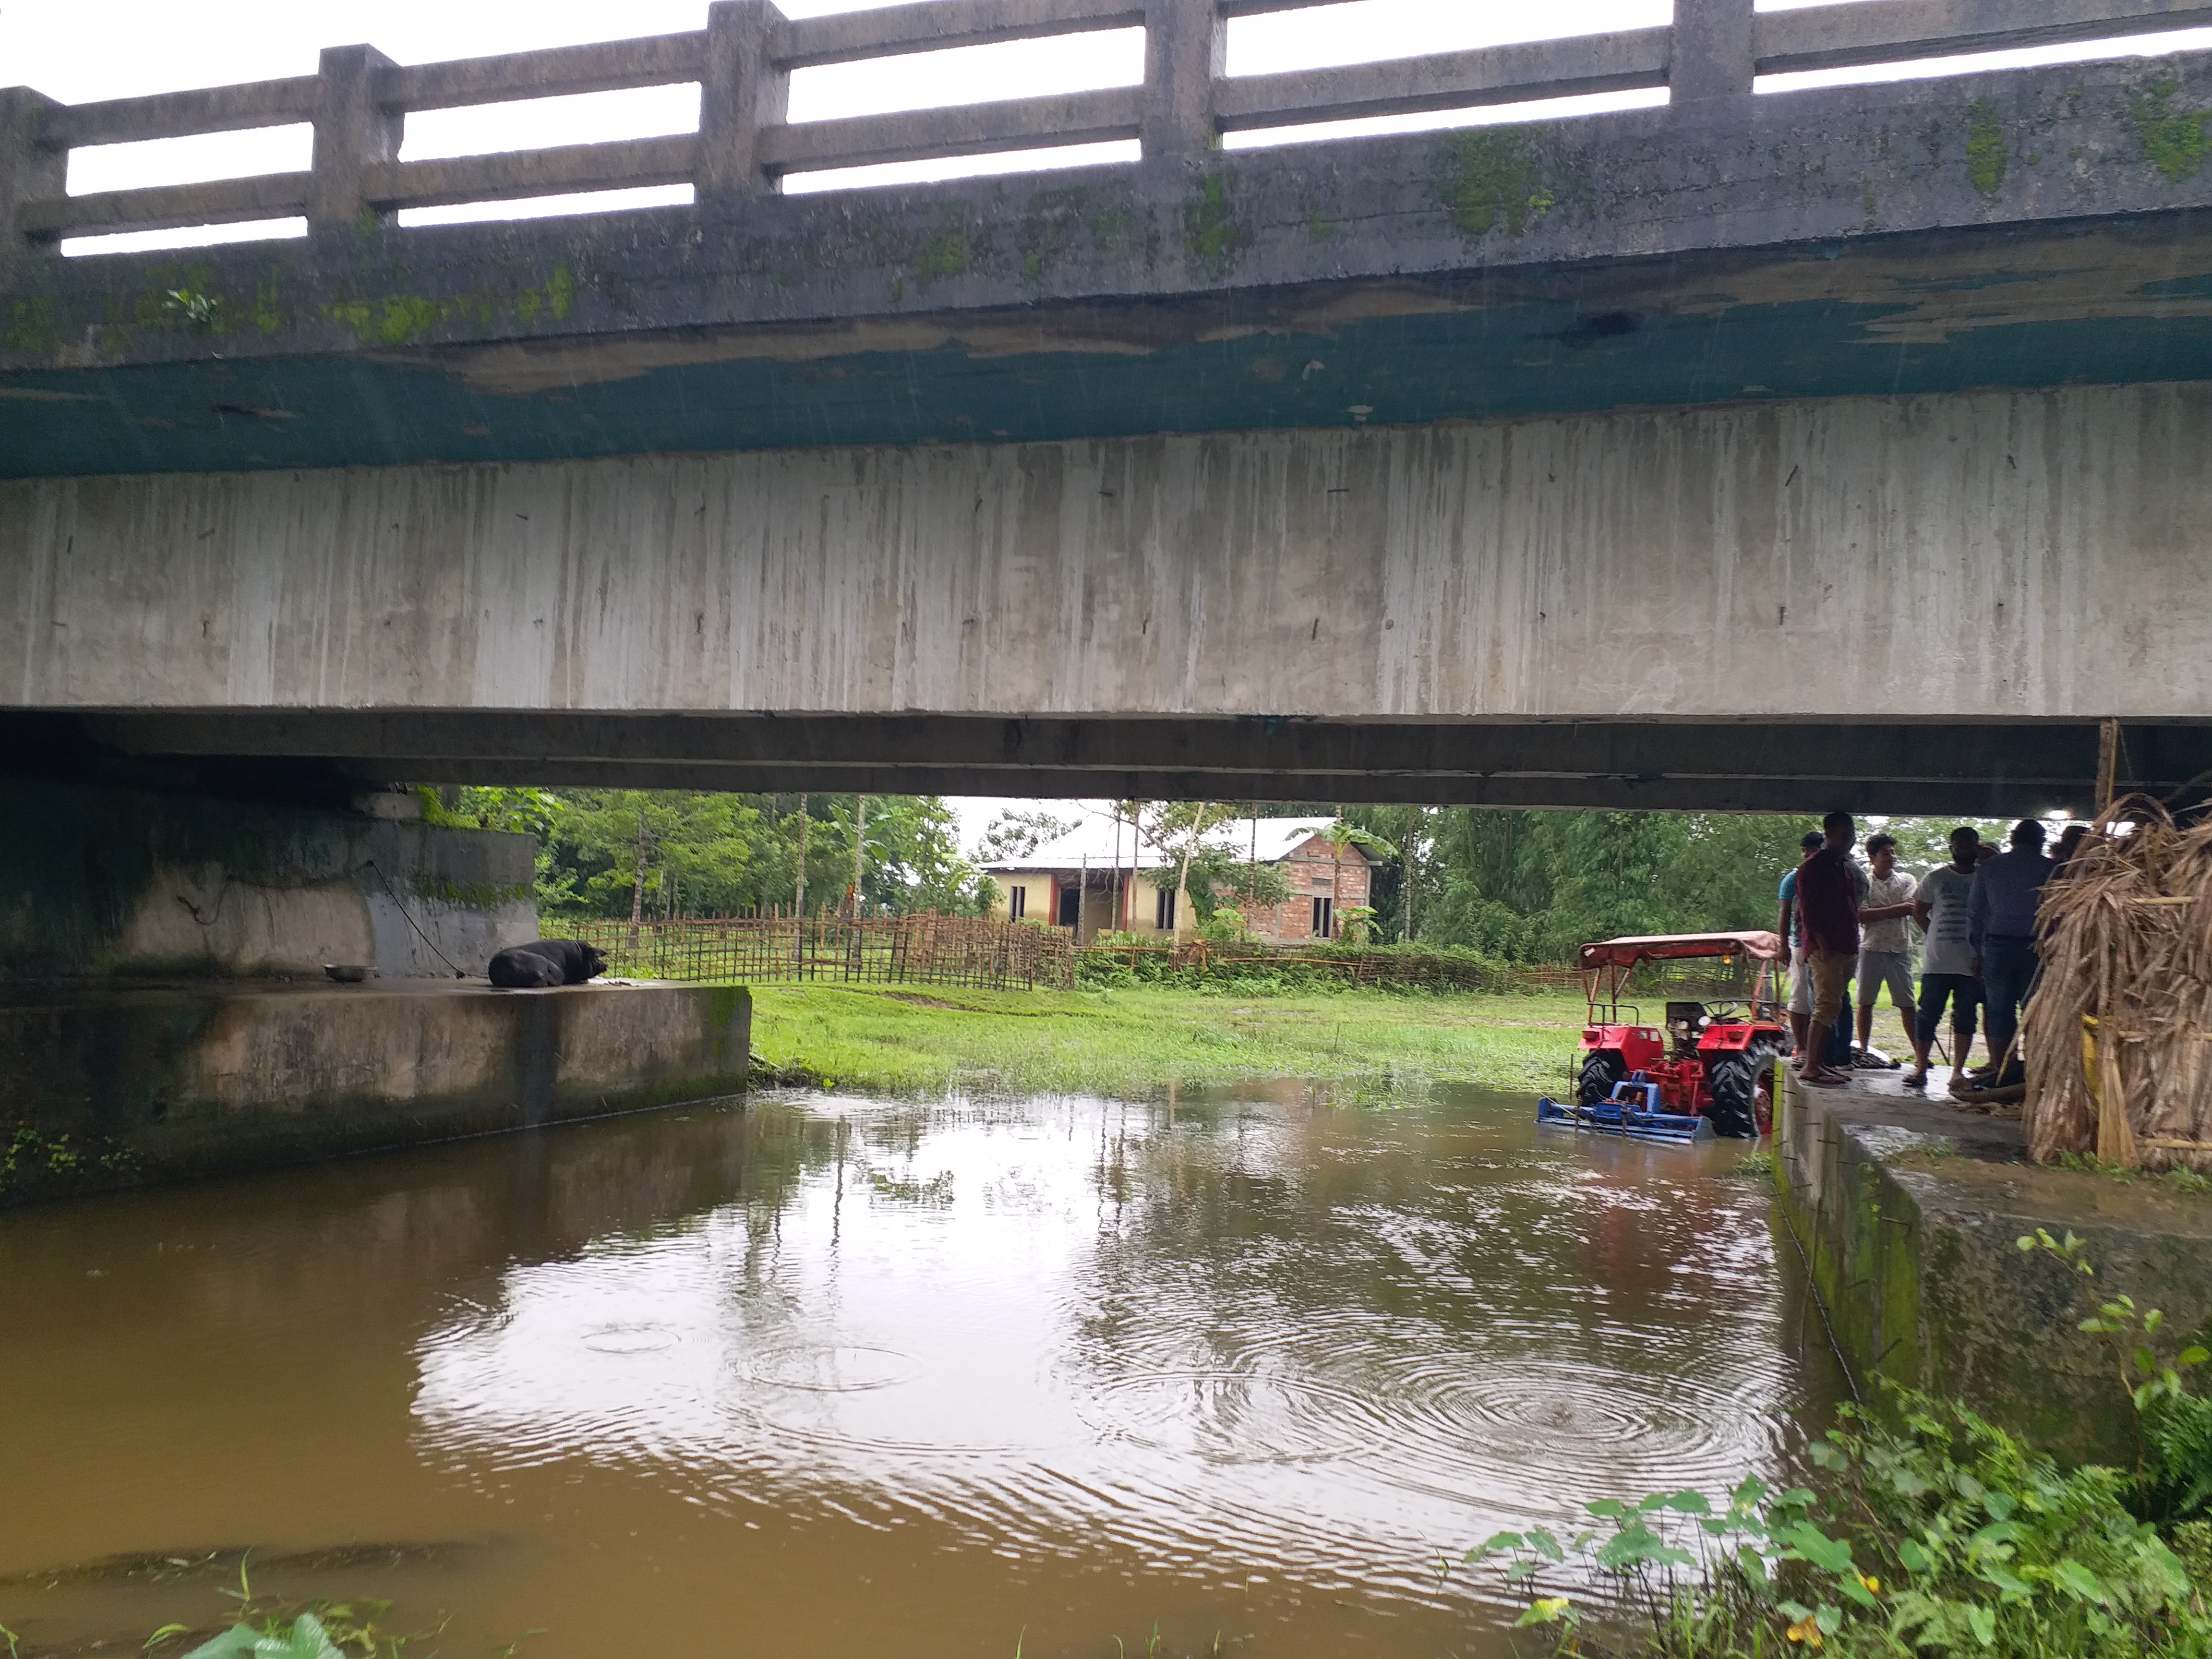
<point>1942,1535</point>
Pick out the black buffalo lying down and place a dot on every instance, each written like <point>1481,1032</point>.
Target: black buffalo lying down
<point>545,962</point>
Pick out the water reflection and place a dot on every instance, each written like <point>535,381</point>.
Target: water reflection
<point>908,1377</point>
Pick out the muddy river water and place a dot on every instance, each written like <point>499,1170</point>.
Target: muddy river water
<point>822,1376</point>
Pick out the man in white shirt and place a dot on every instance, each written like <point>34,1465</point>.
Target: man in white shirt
<point>1948,971</point>
<point>1885,953</point>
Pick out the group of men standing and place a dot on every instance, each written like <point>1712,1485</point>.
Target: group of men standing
<point>1841,918</point>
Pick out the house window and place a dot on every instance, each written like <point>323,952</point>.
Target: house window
<point>1164,910</point>
<point>1324,917</point>
<point>1071,907</point>
<point>1018,902</point>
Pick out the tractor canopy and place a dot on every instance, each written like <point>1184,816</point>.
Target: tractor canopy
<point>1677,947</point>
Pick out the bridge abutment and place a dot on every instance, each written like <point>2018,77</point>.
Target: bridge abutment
<point>164,1011</point>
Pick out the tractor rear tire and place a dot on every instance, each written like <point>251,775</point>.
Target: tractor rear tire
<point>1599,1073</point>
<point>1732,1081</point>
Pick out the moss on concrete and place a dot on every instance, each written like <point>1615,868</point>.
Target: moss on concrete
<point>1116,233</point>
<point>1210,230</point>
<point>944,254</point>
<point>393,320</point>
<point>2173,141</point>
<point>30,325</point>
<point>1493,176</point>
<point>1986,152</point>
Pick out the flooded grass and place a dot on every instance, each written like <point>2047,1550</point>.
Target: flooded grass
<point>1131,1044</point>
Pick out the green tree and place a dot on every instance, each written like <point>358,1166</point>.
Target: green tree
<point>1530,886</point>
<point>914,862</point>
<point>665,844</point>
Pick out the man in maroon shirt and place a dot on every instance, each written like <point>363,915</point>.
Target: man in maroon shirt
<point>1828,902</point>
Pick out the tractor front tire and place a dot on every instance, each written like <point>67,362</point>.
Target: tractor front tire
<point>1732,1081</point>
<point>1599,1073</point>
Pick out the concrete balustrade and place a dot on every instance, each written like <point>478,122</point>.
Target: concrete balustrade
<point>742,59</point>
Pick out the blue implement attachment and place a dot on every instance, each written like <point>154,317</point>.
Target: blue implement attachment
<point>1631,1110</point>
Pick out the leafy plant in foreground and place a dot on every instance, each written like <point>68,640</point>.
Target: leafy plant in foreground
<point>2176,1480</point>
<point>318,1629</point>
<point>1942,1536</point>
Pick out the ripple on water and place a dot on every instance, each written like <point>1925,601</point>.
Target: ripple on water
<point>830,1367</point>
<point>1329,1393</point>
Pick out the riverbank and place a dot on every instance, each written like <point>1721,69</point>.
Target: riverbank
<point>1135,1042</point>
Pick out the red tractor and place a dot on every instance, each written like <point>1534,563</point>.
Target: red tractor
<point>1715,1060</point>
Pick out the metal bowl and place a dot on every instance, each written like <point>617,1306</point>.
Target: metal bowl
<point>348,973</point>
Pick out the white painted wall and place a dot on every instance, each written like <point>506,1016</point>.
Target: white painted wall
<point>2004,554</point>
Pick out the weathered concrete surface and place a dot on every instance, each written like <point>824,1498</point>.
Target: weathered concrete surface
<point>100,881</point>
<point>1849,242</point>
<point>111,1087</point>
<point>1988,558</point>
<point>1909,1212</point>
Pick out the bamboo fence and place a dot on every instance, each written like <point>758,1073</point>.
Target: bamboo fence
<point>924,950</point>
<point>2117,1035</point>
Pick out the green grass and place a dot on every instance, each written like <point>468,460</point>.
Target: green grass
<point>1135,1043</point>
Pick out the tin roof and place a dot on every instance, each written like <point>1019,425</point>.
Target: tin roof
<point>1092,843</point>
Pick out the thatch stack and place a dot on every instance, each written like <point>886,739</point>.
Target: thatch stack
<point>2119,1035</point>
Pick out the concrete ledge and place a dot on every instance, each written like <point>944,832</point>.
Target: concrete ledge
<point>1908,1211</point>
<point>111,1087</point>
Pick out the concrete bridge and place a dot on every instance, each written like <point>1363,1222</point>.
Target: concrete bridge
<point>1765,448</point>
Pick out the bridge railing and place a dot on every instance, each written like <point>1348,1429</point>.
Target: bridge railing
<point>358,101</point>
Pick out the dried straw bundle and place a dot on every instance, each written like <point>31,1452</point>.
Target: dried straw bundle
<point>2117,1039</point>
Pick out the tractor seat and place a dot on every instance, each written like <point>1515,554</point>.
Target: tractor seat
<point>1636,1093</point>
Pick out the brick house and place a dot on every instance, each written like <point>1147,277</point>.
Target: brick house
<point>1093,881</point>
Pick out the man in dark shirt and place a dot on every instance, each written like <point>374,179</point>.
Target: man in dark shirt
<point>1828,907</point>
<point>2000,926</point>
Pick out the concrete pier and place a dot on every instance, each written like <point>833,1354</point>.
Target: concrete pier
<point>116,1085</point>
<point>99,881</point>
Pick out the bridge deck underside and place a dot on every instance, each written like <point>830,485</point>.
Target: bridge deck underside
<point>1773,605</point>
<point>1971,768</point>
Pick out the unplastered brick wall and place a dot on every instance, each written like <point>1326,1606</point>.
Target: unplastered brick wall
<point>1314,872</point>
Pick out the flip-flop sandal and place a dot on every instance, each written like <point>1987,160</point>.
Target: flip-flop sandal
<point>1912,1082</point>
<point>1824,1082</point>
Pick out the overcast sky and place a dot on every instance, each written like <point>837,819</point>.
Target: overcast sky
<point>81,50</point>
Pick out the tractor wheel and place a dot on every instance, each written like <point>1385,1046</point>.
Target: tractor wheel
<point>1733,1082</point>
<point>1599,1073</point>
